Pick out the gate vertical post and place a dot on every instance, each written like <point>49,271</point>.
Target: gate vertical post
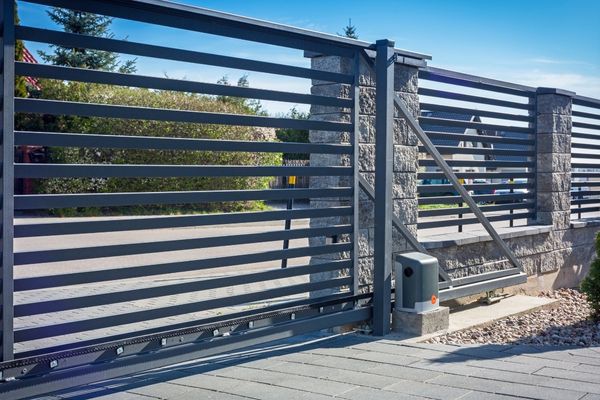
<point>384,151</point>
<point>7,121</point>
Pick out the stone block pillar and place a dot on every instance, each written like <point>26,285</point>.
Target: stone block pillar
<point>405,157</point>
<point>553,164</point>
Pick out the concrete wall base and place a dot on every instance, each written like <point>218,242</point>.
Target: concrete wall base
<point>421,323</point>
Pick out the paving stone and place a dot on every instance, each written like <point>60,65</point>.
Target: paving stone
<point>337,375</point>
<point>426,389</point>
<point>485,396</point>
<point>249,389</point>
<point>572,375</point>
<point>169,391</point>
<point>332,362</point>
<point>394,359</point>
<point>504,366</point>
<point>402,372</point>
<point>308,384</point>
<point>363,393</point>
<point>512,389</point>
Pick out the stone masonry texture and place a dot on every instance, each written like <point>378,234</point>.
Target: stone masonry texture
<point>405,162</point>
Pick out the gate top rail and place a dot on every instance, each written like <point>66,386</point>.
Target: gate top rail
<point>222,24</point>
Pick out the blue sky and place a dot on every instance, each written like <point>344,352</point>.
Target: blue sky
<point>534,42</point>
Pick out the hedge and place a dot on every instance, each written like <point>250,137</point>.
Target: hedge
<point>105,94</point>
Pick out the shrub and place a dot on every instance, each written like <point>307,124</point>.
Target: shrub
<point>591,284</point>
<point>105,94</point>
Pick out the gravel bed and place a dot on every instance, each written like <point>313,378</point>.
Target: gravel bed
<point>566,324</point>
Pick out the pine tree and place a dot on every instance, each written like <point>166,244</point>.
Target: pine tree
<point>84,23</point>
<point>350,30</point>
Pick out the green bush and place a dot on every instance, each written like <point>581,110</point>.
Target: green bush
<point>591,284</point>
<point>105,94</point>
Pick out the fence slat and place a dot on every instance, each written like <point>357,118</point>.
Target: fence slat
<point>173,143</point>
<point>58,107</point>
<point>150,82</point>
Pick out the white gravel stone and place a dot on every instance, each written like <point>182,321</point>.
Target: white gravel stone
<point>569,323</point>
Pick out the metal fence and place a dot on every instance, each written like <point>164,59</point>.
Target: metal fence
<point>585,154</point>
<point>56,317</point>
<point>485,130</point>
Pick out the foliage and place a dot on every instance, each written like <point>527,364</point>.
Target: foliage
<point>294,135</point>
<point>591,283</point>
<point>85,23</point>
<point>254,105</point>
<point>350,30</point>
<point>20,85</point>
<point>105,94</point>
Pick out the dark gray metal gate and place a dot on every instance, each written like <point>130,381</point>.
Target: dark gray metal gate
<point>49,367</point>
<point>100,350</point>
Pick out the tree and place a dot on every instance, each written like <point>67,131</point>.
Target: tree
<point>84,23</point>
<point>294,135</point>
<point>253,105</point>
<point>20,86</point>
<point>350,30</point>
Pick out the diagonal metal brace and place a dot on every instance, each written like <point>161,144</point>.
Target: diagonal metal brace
<point>410,238</point>
<point>451,176</point>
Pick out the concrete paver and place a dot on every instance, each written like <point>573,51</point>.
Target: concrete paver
<point>337,367</point>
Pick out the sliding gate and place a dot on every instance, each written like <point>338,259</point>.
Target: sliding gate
<point>90,298</point>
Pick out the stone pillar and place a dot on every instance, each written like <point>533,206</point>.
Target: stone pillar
<point>336,114</point>
<point>553,164</point>
<point>405,157</point>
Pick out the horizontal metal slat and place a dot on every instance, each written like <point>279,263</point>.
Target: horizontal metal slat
<point>166,171</point>
<point>150,82</point>
<point>595,200</point>
<point>470,221</point>
<point>586,101</point>
<point>479,150</point>
<point>465,210</point>
<point>118,225</point>
<point>578,164</point>
<point>582,114</point>
<point>65,328</point>
<point>475,125</point>
<point>481,164</point>
<point>43,307</point>
<point>479,138</point>
<point>477,186</point>
<point>585,210</point>
<point>59,107</point>
<point>47,201</point>
<point>167,53</point>
<point>478,175</point>
<point>473,99</point>
<point>577,124</point>
<point>482,198</point>
<point>582,135</point>
<point>579,193</point>
<point>117,250</point>
<point>593,146</point>
<point>171,143</point>
<point>586,155</point>
<point>120,273</point>
<point>474,112</point>
<point>577,174</point>
<point>584,184</point>
<point>472,81</point>
<point>218,23</point>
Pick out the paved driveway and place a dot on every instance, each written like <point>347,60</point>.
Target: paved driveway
<point>357,367</point>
